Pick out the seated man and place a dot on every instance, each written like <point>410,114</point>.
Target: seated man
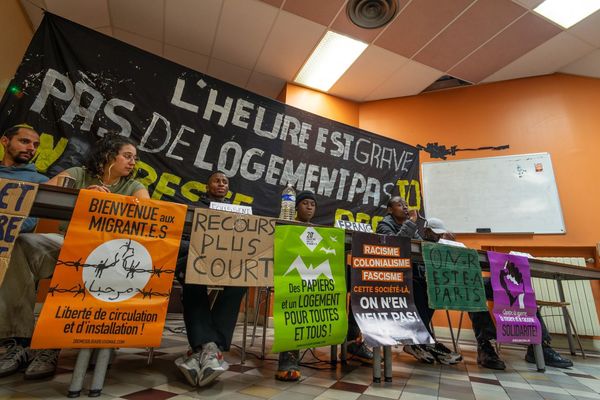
<point>400,222</point>
<point>209,330</point>
<point>109,169</point>
<point>20,143</point>
<point>288,368</point>
<point>483,324</point>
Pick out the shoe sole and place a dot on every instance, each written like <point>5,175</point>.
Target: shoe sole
<point>491,367</point>
<point>208,376</point>
<point>532,361</point>
<point>43,375</point>
<point>187,373</point>
<point>192,379</point>
<point>423,360</point>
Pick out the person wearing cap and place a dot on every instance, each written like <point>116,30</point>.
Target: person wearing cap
<point>209,330</point>
<point>483,325</point>
<point>400,221</point>
<point>20,143</point>
<point>288,368</point>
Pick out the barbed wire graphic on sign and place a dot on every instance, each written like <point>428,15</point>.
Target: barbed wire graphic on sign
<point>76,290</point>
<point>149,293</point>
<point>115,271</point>
<point>126,259</point>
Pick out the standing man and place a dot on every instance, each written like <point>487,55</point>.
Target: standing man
<point>209,330</point>
<point>20,143</point>
<point>401,222</point>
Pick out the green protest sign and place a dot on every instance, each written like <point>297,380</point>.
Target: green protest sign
<point>453,278</point>
<point>310,287</point>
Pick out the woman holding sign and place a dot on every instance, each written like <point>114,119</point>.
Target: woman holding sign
<point>109,168</point>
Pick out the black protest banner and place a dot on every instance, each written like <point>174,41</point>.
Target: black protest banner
<point>75,84</point>
<point>230,249</point>
<point>453,278</point>
<point>382,291</point>
<point>16,199</point>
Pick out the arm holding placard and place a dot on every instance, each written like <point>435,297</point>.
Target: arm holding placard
<point>209,329</point>
<point>35,255</point>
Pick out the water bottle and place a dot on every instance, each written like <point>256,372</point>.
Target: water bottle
<point>288,203</point>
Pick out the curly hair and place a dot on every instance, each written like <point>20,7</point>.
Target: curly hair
<point>104,150</point>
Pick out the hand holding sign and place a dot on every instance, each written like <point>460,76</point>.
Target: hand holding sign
<point>16,199</point>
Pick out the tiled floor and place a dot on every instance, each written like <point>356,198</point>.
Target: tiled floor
<point>131,378</point>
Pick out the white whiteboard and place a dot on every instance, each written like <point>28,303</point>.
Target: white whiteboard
<point>509,194</point>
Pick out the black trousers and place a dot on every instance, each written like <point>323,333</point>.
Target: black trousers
<point>204,324</point>
<point>420,296</point>
<point>483,324</point>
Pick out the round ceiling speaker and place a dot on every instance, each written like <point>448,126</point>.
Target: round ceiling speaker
<point>371,14</point>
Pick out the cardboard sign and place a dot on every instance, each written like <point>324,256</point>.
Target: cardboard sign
<point>16,199</point>
<point>236,208</point>
<point>382,291</point>
<point>309,308</point>
<point>453,278</point>
<point>230,249</point>
<point>113,277</point>
<point>514,300</point>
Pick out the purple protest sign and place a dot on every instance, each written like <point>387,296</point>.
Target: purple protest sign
<point>514,299</point>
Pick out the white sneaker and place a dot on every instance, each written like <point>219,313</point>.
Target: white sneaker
<point>189,365</point>
<point>212,364</point>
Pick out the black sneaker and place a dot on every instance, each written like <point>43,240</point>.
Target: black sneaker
<point>288,369</point>
<point>443,355</point>
<point>551,357</point>
<point>487,357</point>
<point>16,359</point>
<point>419,352</point>
<point>361,352</point>
<point>43,365</point>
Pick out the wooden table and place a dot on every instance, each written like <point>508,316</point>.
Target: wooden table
<point>57,203</point>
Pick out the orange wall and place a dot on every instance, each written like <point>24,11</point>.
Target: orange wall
<point>15,37</point>
<point>340,110</point>
<point>556,114</point>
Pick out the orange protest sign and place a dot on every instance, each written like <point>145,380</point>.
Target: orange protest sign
<point>114,273</point>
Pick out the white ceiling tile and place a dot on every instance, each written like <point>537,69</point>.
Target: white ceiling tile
<point>192,24</point>
<point>369,71</point>
<point>152,46</point>
<point>289,44</point>
<point>93,14</point>
<point>409,80</point>
<point>35,13</point>
<point>242,30</point>
<point>227,72</point>
<point>529,4</point>
<point>195,61</point>
<point>265,85</point>
<point>588,29</point>
<point>547,58</point>
<point>586,66</point>
<point>143,17</point>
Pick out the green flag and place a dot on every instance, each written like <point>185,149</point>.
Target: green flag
<point>453,278</point>
<point>310,287</point>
